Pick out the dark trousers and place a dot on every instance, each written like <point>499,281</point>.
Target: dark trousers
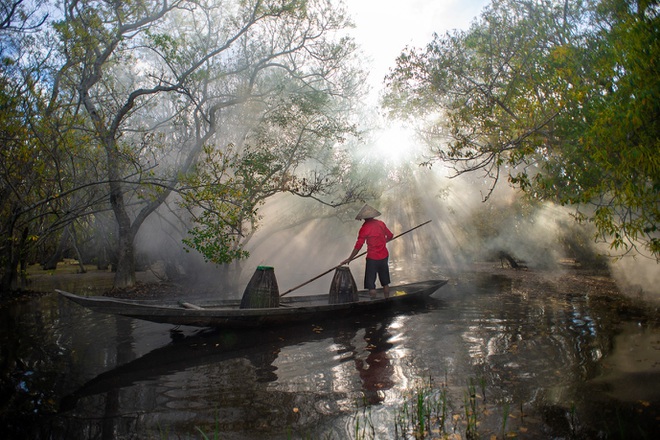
<point>373,268</point>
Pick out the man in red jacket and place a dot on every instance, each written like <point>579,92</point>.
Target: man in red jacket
<point>376,234</point>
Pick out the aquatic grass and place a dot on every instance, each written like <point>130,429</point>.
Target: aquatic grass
<point>161,433</point>
<point>306,436</point>
<point>573,421</point>
<point>471,407</point>
<point>401,422</point>
<point>428,413</point>
<point>505,417</point>
<point>424,415</point>
<point>421,415</point>
<point>442,409</point>
<point>216,431</point>
<point>366,430</point>
<point>482,384</point>
<point>206,437</point>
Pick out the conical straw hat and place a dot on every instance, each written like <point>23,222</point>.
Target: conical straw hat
<point>367,212</point>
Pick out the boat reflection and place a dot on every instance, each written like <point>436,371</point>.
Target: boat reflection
<point>225,358</point>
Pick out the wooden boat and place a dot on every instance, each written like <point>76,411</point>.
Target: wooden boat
<point>227,314</point>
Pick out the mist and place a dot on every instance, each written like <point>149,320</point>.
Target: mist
<point>637,275</point>
<point>300,245</point>
<point>301,238</point>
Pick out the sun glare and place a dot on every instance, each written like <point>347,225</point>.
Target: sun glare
<point>396,144</point>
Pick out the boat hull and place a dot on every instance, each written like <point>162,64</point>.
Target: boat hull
<point>227,314</point>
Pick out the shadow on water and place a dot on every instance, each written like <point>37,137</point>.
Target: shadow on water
<point>191,381</point>
<point>541,356</point>
<point>226,377</point>
<point>259,349</point>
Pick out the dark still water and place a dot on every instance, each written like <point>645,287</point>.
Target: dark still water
<point>496,354</point>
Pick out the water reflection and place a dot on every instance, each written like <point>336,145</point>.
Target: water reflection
<point>376,370</point>
<point>559,361</point>
<point>277,378</point>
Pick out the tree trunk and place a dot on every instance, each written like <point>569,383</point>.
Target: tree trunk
<point>125,274</point>
<point>76,248</point>
<point>101,244</point>
<point>51,263</point>
<point>10,279</point>
<point>9,275</point>
<point>125,270</point>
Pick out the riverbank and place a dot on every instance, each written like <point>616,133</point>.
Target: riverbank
<point>566,277</point>
<point>68,276</point>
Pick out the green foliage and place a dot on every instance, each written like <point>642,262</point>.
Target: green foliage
<point>39,155</point>
<point>118,100</point>
<point>562,97</point>
<point>217,248</point>
<point>17,161</point>
<point>292,149</point>
<point>215,198</point>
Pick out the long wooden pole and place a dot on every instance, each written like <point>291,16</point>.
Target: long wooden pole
<point>357,256</point>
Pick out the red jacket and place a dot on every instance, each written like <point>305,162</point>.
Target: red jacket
<point>376,234</point>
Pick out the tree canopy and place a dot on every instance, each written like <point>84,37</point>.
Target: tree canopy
<point>561,97</point>
<point>117,107</point>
